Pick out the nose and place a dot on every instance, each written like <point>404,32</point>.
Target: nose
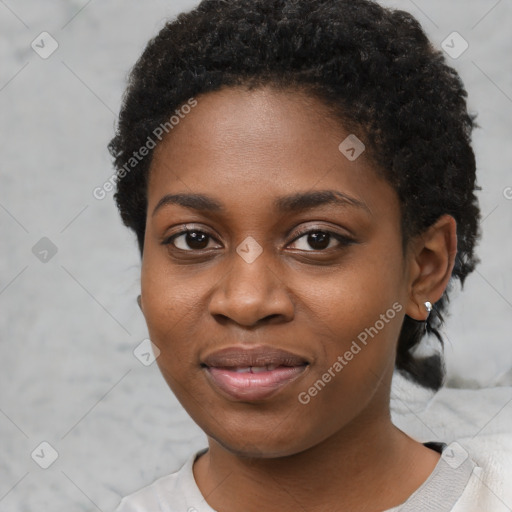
<point>251,294</point>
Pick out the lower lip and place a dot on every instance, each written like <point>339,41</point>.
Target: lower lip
<point>253,386</point>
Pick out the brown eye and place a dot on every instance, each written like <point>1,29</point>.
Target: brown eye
<point>319,240</point>
<point>189,240</point>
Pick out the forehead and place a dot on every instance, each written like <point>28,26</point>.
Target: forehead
<point>258,145</point>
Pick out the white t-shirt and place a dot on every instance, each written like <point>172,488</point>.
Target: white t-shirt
<point>455,485</point>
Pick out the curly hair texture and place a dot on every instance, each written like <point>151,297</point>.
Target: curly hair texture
<point>377,73</point>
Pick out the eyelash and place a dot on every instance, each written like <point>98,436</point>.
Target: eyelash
<point>343,240</point>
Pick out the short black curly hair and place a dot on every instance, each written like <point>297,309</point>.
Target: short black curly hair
<point>375,70</point>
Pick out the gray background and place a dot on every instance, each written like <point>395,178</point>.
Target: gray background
<point>69,325</point>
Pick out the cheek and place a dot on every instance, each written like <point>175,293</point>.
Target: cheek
<point>352,298</point>
<point>172,310</point>
<point>354,318</point>
<point>175,309</point>
<point>166,303</point>
<point>358,343</point>
<point>168,290</point>
<point>349,376</point>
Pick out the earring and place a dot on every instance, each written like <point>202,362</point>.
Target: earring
<point>428,306</point>
<point>139,302</point>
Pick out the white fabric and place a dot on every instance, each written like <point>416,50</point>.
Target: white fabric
<point>479,420</point>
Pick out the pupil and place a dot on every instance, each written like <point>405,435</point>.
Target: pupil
<point>196,240</point>
<point>319,238</point>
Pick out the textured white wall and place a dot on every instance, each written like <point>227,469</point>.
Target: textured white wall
<point>69,325</point>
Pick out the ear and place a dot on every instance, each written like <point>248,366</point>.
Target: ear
<point>431,259</point>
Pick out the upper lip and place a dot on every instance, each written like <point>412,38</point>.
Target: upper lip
<point>237,357</point>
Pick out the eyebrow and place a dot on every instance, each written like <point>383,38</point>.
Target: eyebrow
<point>285,204</point>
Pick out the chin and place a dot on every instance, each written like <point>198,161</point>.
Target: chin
<point>258,450</point>
<point>264,443</point>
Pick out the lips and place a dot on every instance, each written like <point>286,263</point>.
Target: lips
<point>236,357</point>
<point>252,374</point>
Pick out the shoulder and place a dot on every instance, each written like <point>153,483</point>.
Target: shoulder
<point>176,490</point>
<point>489,487</point>
<point>477,422</point>
<point>480,422</point>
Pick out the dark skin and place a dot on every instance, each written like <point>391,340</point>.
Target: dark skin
<point>340,451</point>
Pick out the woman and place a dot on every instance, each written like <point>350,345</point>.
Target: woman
<point>300,179</point>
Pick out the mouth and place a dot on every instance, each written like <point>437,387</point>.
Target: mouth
<point>252,374</point>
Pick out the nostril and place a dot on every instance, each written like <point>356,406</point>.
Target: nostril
<point>222,319</point>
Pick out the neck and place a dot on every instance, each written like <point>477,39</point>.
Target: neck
<point>361,467</point>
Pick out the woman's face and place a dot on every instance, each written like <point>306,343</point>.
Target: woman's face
<point>270,263</point>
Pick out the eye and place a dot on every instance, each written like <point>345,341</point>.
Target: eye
<point>194,239</point>
<point>320,240</point>
<point>190,240</point>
